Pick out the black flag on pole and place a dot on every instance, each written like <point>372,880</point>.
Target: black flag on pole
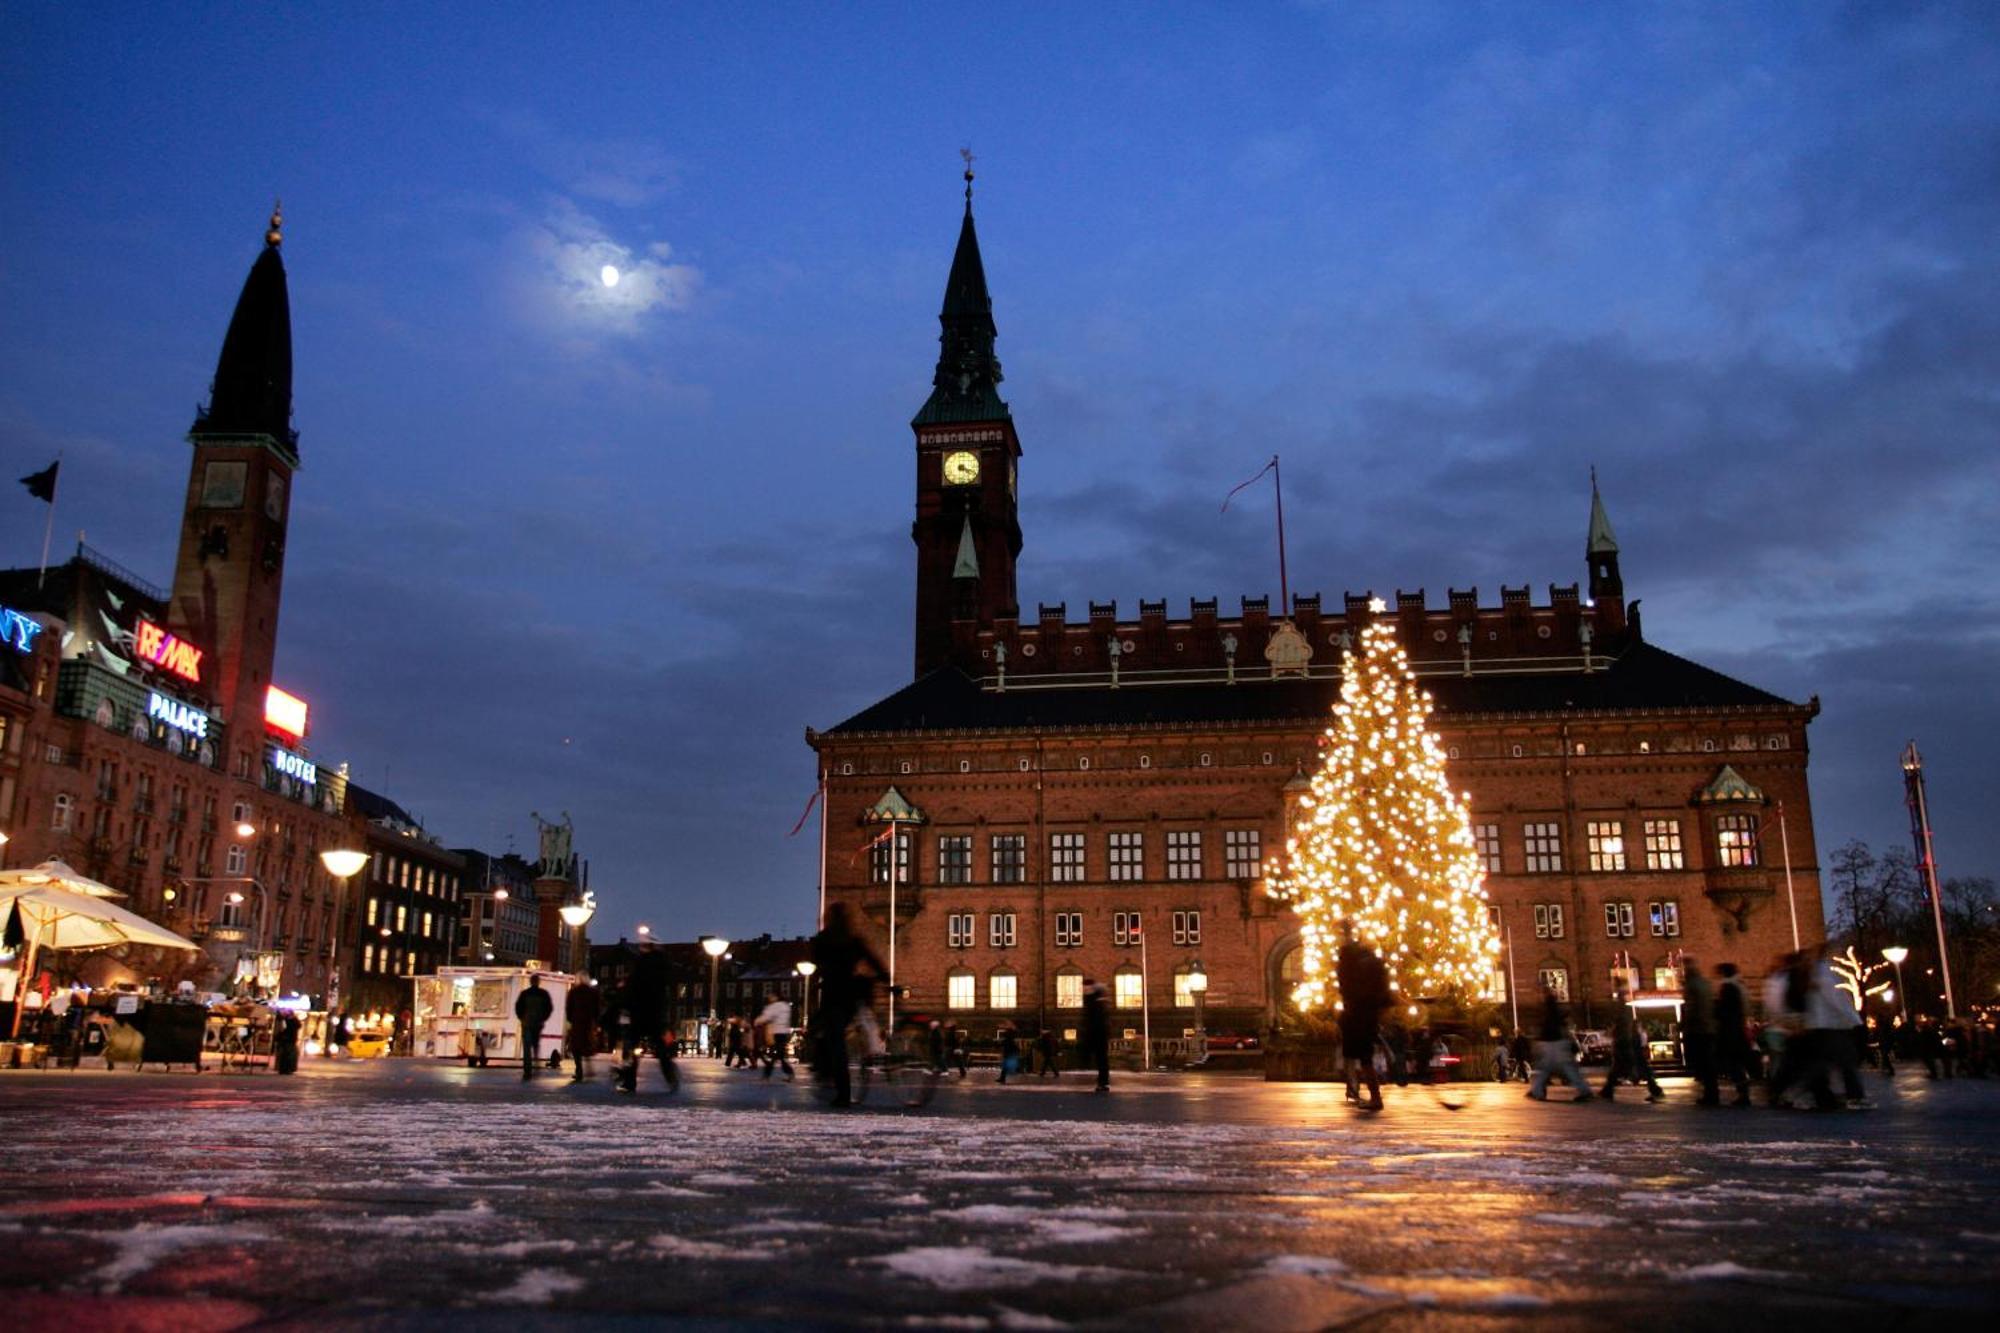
<point>42,485</point>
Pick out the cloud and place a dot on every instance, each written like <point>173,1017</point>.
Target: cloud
<point>572,249</point>
<point>622,172</point>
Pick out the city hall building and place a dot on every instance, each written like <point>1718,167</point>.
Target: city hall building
<point>1102,795</point>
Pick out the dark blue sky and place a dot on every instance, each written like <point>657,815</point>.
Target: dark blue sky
<point>560,548</point>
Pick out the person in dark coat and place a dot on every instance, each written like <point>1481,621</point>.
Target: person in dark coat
<point>644,1001</point>
<point>848,969</point>
<point>1010,1050</point>
<point>285,1042</point>
<point>533,1007</point>
<point>1051,1048</point>
<point>1732,1032</point>
<point>1364,994</point>
<point>580,1014</point>
<point>1628,1051</point>
<point>1097,1030</point>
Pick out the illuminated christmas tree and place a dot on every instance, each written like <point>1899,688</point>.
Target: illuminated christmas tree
<point>1383,839</point>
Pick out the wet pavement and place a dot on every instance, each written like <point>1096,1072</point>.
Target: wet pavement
<point>396,1194</point>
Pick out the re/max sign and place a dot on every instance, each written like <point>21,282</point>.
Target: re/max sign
<point>162,649</point>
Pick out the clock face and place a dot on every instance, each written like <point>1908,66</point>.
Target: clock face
<point>961,468</point>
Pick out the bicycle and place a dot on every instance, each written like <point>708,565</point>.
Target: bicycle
<point>902,1064</point>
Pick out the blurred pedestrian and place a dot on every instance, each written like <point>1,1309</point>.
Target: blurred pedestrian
<point>774,1024</point>
<point>1010,1050</point>
<point>534,1008</point>
<point>1698,1029</point>
<point>1050,1047</point>
<point>1521,1052</point>
<point>1628,1051</point>
<point>644,1004</point>
<point>1097,1031</point>
<point>848,970</point>
<point>1364,994</point>
<point>581,1011</point>
<point>1555,1050</point>
<point>1732,1032</point>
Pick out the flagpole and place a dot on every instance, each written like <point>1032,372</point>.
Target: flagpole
<point>894,847</point>
<point>1284,584</point>
<point>49,524</point>
<point>1791,899</point>
<point>821,925</point>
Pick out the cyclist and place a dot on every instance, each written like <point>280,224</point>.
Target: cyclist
<point>849,970</point>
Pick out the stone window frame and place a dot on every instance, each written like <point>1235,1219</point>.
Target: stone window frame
<point>1184,854</point>
<point>1243,853</point>
<point>1486,840</point>
<point>1542,844</point>
<point>1000,930</point>
<point>1126,856</point>
<point>1604,840</point>
<point>1067,857</point>
<point>1736,841</point>
<point>1008,857</point>
<point>1664,850</point>
<point>954,853</point>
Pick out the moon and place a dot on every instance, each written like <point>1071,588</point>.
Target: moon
<point>610,275</point>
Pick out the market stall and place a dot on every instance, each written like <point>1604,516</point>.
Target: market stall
<point>467,1013</point>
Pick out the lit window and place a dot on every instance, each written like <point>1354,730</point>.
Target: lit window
<point>1066,858</point>
<point>1000,991</point>
<point>1487,838</point>
<point>367,958</point>
<point>1000,930</point>
<point>878,859</point>
<point>1010,858</point>
<point>1607,845</point>
<point>1243,852</point>
<point>374,906</point>
<point>1557,980</point>
<point>1548,921</point>
<point>958,930</point>
<point>1183,992</point>
<point>1665,919</point>
<point>960,990</point>
<point>955,859</point>
<point>1543,843</point>
<point>1187,927</point>
<point>1069,990</point>
<point>1128,856</point>
<point>1129,990</point>
<point>1663,844</point>
<point>402,918</point>
<point>1184,854</point>
<point>1736,840</point>
<point>1125,928</point>
<point>1069,929</point>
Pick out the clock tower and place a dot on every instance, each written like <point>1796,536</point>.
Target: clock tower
<point>230,568</point>
<point>967,529</point>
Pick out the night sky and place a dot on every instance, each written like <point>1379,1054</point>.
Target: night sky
<point>609,551</point>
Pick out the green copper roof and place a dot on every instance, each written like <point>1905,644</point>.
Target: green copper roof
<point>968,558</point>
<point>966,385</point>
<point>1729,786</point>
<point>1601,540</point>
<point>892,807</point>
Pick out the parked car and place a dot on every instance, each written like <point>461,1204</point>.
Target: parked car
<point>1232,1041</point>
<point>1593,1047</point>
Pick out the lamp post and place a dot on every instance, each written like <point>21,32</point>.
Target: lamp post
<point>343,864</point>
<point>1896,953</point>
<point>577,914</point>
<point>714,946</point>
<point>1197,984</point>
<point>806,969</point>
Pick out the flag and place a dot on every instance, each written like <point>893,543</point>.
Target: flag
<point>1260,472</point>
<point>872,843</point>
<point>804,814</point>
<point>42,485</point>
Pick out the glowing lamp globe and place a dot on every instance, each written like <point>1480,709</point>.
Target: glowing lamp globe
<point>715,946</point>
<point>342,863</point>
<point>1895,953</point>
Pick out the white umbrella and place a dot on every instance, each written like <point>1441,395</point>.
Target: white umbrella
<point>58,874</point>
<point>53,917</point>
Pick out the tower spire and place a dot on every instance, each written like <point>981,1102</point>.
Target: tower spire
<point>252,390</point>
<point>1601,553</point>
<point>1601,542</point>
<point>965,385</point>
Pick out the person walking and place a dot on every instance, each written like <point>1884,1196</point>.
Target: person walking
<point>775,1022</point>
<point>644,1002</point>
<point>1364,994</point>
<point>1521,1051</point>
<point>1732,1032</point>
<point>1097,1030</point>
<point>1051,1048</point>
<point>1830,1017</point>
<point>580,1015</point>
<point>1628,1051</point>
<point>848,969</point>
<point>1555,1051</point>
<point>1010,1051</point>
<point>534,1008</point>
<point>1782,1036</point>
<point>1698,1029</point>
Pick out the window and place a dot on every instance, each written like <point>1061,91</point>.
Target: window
<point>59,817</point>
<point>1069,929</point>
<point>960,990</point>
<point>1128,856</point>
<point>231,913</point>
<point>958,930</point>
<point>1002,990</point>
<point>402,918</point>
<point>1548,921</point>
<point>1666,978</point>
<point>374,906</point>
<point>1663,845</point>
<point>1487,838</point>
<point>367,958</point>
<point>1618,920</point>
<point>1557,980</point>
<point>878,859</point>
<point>1010,858</point>
<point>1607,844</point>
<point>1544,848</point>
<point>1243,853</point>
<point>1000,930</point>
<point>1184,854</point>
<point>1129,992</point>
<point>1069,990</point>
<point>1665,919</point>
<point>1187,927</point>
<point>1736,840</point>
<point>233,859</point>
<point>1066,858</point>
<point>1125,928</point>
<point>1183,993</point>
<point>955,859</point>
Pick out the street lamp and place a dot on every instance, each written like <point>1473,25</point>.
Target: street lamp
<point>1896,953</point>
<point>645,931</point>
<point>806,969</point>
<point>1197,984</point>
<point>574,915</point>
<point>714,946</point>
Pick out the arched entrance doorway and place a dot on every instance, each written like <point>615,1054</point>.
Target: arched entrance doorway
<point>1284,969</point>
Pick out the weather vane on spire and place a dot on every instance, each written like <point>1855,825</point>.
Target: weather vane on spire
<point>276,235</point>
<point>966,153</point>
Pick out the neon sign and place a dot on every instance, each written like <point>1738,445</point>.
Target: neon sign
<point>17,631</point>
<point>284,713</point>
<point>179,716</point>
<point>293,766</point>
<point>162,649</point>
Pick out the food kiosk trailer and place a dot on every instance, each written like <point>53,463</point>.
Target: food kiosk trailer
<point>467,1013</point>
